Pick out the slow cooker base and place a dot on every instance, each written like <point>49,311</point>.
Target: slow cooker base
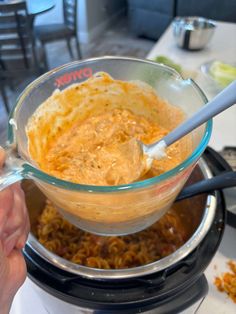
<point>184,300</point>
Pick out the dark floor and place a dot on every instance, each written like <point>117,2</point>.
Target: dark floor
<point>118,40</point>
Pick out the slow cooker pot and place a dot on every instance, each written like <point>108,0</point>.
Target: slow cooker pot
<point>165,286</point>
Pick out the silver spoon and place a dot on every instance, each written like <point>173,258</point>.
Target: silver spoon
<point>222,101</point>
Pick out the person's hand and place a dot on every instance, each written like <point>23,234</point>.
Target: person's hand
<point>14,228</point>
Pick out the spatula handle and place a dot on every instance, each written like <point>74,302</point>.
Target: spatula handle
<point>222,181</point>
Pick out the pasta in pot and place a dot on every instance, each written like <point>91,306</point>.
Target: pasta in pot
<point>116,252</point>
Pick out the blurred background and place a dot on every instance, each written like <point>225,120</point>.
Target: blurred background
<point>54,32</point>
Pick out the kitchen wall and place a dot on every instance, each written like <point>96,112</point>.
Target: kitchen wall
<point>94,16</point>
<point>101,10</point>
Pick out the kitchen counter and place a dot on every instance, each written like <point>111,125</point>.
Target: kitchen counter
<point>221,47</point>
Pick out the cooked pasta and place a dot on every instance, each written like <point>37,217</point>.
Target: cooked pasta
<point>80,247</point>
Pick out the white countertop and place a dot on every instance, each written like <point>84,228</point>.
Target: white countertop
<point>217,302</point>
<point>221,47</point>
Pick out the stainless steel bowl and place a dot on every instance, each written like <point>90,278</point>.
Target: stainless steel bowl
<point>193,33</point>
<point>197,217</point>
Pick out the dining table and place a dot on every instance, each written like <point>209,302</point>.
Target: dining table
<point>35,7</point>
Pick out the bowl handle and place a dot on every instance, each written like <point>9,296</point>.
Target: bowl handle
<point>12,170</point>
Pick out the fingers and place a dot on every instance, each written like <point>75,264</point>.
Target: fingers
<point>17,239</point>
<point>17,224</point>
<point>24,231</point>
<point>16,273</point>
<point>10,242</point>
<point>2,156</point>
<point>17,264</point>
<point>6,205</point>
<point>16,216</point>
<point>23,237</point>
<point>14,221</point>
<point>25,228</point>
<point>6,198</point>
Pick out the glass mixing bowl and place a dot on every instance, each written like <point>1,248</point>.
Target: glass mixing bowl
<point>106,210</point>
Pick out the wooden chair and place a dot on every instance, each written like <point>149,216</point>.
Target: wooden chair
<point>64,31</point>
<point>20,53</point>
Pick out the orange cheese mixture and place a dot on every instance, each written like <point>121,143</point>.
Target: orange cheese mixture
<point>91,152</point>
<point>80,134</point>
<point>227,282</point>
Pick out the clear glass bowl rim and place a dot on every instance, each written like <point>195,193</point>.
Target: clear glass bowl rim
<point>31,172</point>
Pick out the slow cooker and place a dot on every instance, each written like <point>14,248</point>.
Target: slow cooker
<point>169,289</point>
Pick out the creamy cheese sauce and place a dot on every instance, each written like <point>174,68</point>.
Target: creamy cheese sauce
<point>91,152</point>
<point>93,149</point>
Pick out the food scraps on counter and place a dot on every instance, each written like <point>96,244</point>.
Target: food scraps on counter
<point>227,281</point>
